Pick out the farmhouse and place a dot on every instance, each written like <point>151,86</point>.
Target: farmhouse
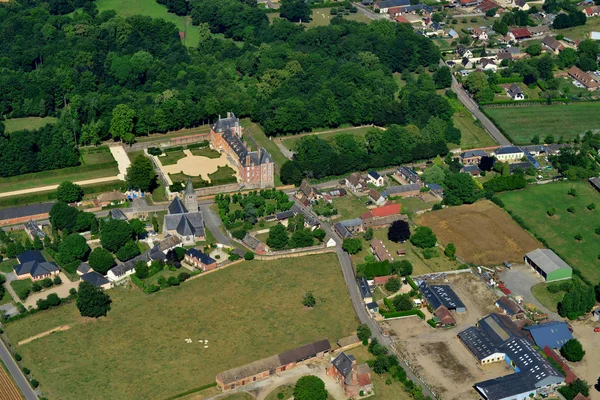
<point>20,215</point>
<point>436,188</point>
<point>374,178</point>
<point>355,182</point>
<point>184,219</point>
<point>96,279</point>
<point>270,366</point>
<point>410,190</point>
<point>549,265</point>
<point>32,229</point>
<point>496,338</point>
<point>33,265</point>
<point>341,230</point>
<point>553,334</point>
<point>376,197</point>
<point>441,295</point>
<point>109,198</point>
<point>509,153</point>
<point>471,157</point>
<point>584,78</point>
<point>515,92</point>
<point>353,378</point>
<point>253,243</point>
<point>488,64</point>
<point>306,191</point>
<point>509,53</point>
<point>409,175</point>
<point>379,250</point>
<point>553,44</point>
<point>255,167</point>
<point>200,260</point>
<point>354,225</point>
<point>444,316</point>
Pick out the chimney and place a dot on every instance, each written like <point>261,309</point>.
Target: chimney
<point>228,114</point>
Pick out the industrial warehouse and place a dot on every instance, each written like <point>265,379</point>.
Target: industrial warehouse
<point>549,265</point>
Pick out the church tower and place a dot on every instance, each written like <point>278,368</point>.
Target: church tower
<point>190,201</point>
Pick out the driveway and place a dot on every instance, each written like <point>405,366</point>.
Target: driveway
<point>213,223</point>
<point>520,278</point>
<point>120,156</point>
<point>61,290</point>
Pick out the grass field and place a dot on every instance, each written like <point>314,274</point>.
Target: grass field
<point>581,31</point>
<point>7,266</point>
<point>29,123</point>
<point>549,300</point>
<point>152,9</point>
<point>20,286</point>
<point>482,233</point>
<point>7,298</point>
<point>358,132</point>
<point>472,134</point>
<point>532,204</point>
<point>350,206</point>
<point>247,311</point>
<point>322,17</point>
<point>569,121</point>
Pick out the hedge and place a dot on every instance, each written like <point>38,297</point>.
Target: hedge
<point>431,322</point>
<point>59,172</point>
<point>524,102</point>
<point>388,303</point>
<point>138,282</point>
<point>176,148</point>
<point>198,145</point>
<point>411,283</point>
<point>396,314</point>
<point>198,389</point>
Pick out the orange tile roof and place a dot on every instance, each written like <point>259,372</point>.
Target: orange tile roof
<point>387,210</point>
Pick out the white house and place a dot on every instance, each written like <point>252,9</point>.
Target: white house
<point>515,92</point>
<point>478,33</point>
<point>374,178</point>
<point>487,64</point>
<point>463,51</point>
<point>509,153</point>
<point>330,243</point>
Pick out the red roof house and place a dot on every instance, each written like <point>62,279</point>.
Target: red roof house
<point>400,19</point>
<point>520,33</point>
<point>387,210</point>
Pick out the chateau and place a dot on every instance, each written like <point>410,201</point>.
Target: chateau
<point>255,167</point>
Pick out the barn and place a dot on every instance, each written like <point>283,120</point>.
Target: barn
<point>549,265</point>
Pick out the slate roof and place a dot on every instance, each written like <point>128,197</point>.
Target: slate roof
<point>223,124</point>
<point>84,268</point>
<point>363,285</point>
<point>514,90</point>
<point>435,187</point>
<point>352,222</point>
<point>473,153</point>
<point>470,169</point>
<point>409,173</point>
<point>95,279</point>
<point>552,43</point>
<point>116,213</point>
<point>342,230</point>
<point>343,363</point>
<point>176,206</point>
<point>202,257</point>
<point>392,190</point>
<point>509,150</point>
<point>552,334</point>
<point>33,262</point>
<point>34,229</point>
<point>440,295</point>
<point>508,305</point>
<point>25,211</point>
<point>374,174</point>
<point>285,215</point>
<point>251,241</point>
<point>547,260</point>
<point>186,224</point>
<point>156,253</point>
<point>392,3</point>
<point>31,255</point>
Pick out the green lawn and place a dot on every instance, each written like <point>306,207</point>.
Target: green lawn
<point>359,132</point>
<point>7,298</point>
<point>287,391</point>
<point>152,9</point>
<point>559,231</point>
<point>582,31</point>
<point>97,155</point>
<point>247,312</point>
<point>206,152</point>
<point>159,194</point>
<point>472,134</point>
<point>569,121</point>
<point>29,123</point>
<point>549,300</point>
<point>479,21</point>
<point>21,286</point>
<point>350,206</point>
<point>414,204</point>
<point>322,17</point>
<point>222,174</point>
<point>171,157</point>
<point>7,266</point>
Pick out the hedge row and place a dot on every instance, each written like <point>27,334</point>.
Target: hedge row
<point>138,282</point>
<point>198,389</point>
<point>60,172</point>
<point>431,322</point>
<point>94,150</point>
<point>198,145</point>
<point>396,314</point>
<point>522,103</point>
<point>388,303</point>
<point>411,283</point>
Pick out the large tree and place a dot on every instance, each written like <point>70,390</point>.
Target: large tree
<point>92,301</point>
<point>460,189</point>
<point>140,174</point>
<point>295,10</point>
<point>122,123</point>
<point>73,248</point>
<point>101,260</point>
<point>399,231</point>
<point>115,234</point>
<point>278,237</point>
<point>423,237</point>
<point>310,388</point>
<point>63,217</point>
<point>69,192</point>
<point>572,350</point>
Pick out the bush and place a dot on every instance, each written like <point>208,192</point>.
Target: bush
<point>396,314</point>
<point>173,281</point>
<point>137,281</point>
<point>579,237</point>
<point>402,303</point>
<point>551,212</point>
<point>154,151</point>
<point>352,246</point>
<point>183,276</point>
<point>57,280</point>
<point>363,332</point>
<point>430,253</point>
<point>309,300</point>
<point>591,206</point>
<point>393,285</point>
<point>571,210</point>
<point>26,371</point>
<point>36,287</point>
<point>249,256</point>
<point>46,283</point>
<point>553,288</point>
<point>34,384</point>
<point>152,289</point>
<point>572,350</point>
<point>423,237</point>
<point>431,322</point>
<point>411,283</point>
<point>572,192</point>
<point>18,357</point>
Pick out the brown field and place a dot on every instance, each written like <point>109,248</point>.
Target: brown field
<point>8,389</point>
<point>482,232</point>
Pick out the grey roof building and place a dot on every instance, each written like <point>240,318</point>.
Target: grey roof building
<point>548,264</point>
<point>33,262</point>
<point>342,230</point>
<point>508,150</point>
<point>116,213</point>
<point>344,363</point>
<point>95,279</point>
<point>25,211</point>
<point>441,295</point>
<point>83,268</point>
<point>399,189</point>
<point>34,230</point>
<point>185,220</point>
<point>553,334</point>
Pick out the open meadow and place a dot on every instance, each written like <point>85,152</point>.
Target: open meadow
<point>329,135</point>
<point>566,120</point>
<point>472,133</point>
<point>482,233</point>
<point>532,205</point>
<point>246,312</point>
<point>322,17</point>
<point>29,123</point>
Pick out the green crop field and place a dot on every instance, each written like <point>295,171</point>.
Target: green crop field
<point>358,132</point>
<point>559,231</point>
<point>29,123</point>
<point>569,121</point>
<point>246,312</point>
<point>152,9</point>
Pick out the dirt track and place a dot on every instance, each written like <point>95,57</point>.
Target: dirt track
<point>41,335</point>
<point>482,232</point>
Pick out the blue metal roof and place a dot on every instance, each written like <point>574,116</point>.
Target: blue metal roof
<point>552,334</point>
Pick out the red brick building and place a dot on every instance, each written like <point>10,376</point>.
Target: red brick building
<point>353,378</point>
<point>254,167</point>
<point>200,260</point>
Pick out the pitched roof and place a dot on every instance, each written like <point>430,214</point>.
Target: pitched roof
<point>409,173</point>
<point>202,257</point>
<point>36,268</point>
<point>547,260</point>
<point>116,213</point>
<point>342,230</point>
<point>95,279</point>
<point>225,123</point>
<point>505,386</point>
<point>539,28</point>
<point>473,153</point>
<point>380,250</point>
<point>176,206</point>
<point>343,363</point>
<point>569,374</point>
<point>374,194</point>
<point>445,316</point>
<point>374,174</point>
<point>553,334</point>
<point>551,42</point>
<point>354,179</point>
<point>186,224</point>
<point>392,3</point>
<point>583,77</point>
<point>111,196</point>
<point>399,189</point>
<point>387,210</point>
<point>508,305</point>
<point>441,295</point>
<point>514,90</point>
<point>25,211</point>
<point>305,188</point>
<point>31,255</point>
<point>363,285</point>
<point>34,229</point>
<point>471,169</point>
<point>520,33</point>
<point>84,268</point>
<point>352,222</point>
<point>251,241</point>
<point>509,150</point>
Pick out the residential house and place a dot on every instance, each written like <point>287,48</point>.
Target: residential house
<point>509,153</point>
<point>409,175</point>
<point>472,170</point>
<point>411,190</point>
<point>33,265</point>
<point>463,51</point>
<point>365,290</point>
<point>538,30</point>
<point>401,20</point>
<point>509,53</point>
<point>107,198</point>
<point>254,244</point>
<point>519,34</point>
<point>587,80</point>
<point>435,188</point>
<point>376,197</point>
<point>479,34</point>
<point>515,92</point>
<point>472,157</point>
<point>200,260</point>
<point>595,35</point>
<point>488,64</point>
<point>374,178</point>
<point>384,5</point>
<point>307,191</point>
<point>355,182</point>
<point>395,11</point>
<point>341,230</point>
<point>466,63</point>
<point>380,251</point>
<point>33,230</point>
<point>354,225</point>
<point>452,34</point>
<point>184,219</point>
<point>382,280</point>
<point>487,5</point>
<point>553,44</point>
<point>83,269</point>
<point>522,5</point>
<point>96,279</point>
<point>353,378</point>
<point>593,11</point>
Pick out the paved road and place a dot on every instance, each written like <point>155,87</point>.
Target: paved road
<point>368,13</point>
<point>16,373</point>
<point>213,223</point>
<point>357,301</point>
<point>474,108</point>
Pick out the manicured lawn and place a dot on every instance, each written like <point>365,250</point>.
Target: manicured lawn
<point>7,266</point>
<point>472,134</point>
<point>559,231</point>
<point>159,194</point>
<point>161,137</point>
<point>171,157</point>
<point>7,298</point>
<point>479,21</point>
<point>151,8</point>
<point>549,300</point>
<point>206,152</point>
<point>286,390</point>
<point>255,131</point>
<point>414,204</point>
<point>247,311</point>
<point>359,132</point>
<point>569,121</point>
<point>223,173</point>
<point>20,287</point>
<point>29,123</point>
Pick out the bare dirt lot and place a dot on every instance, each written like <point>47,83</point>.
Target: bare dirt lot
<point>437,355</point>
<point>588,368</point>
<point>482,232</point>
